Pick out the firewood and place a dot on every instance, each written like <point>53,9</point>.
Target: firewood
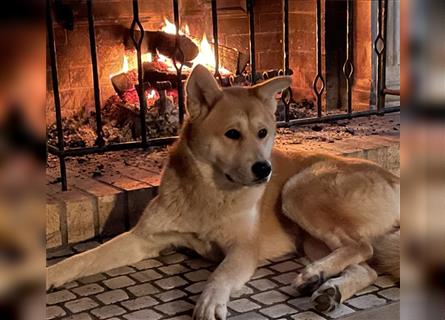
<point>123,81</point>
<point>164,43</point>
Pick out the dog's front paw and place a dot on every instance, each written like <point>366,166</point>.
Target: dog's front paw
<point>211,305</point>
<point>308,281</point>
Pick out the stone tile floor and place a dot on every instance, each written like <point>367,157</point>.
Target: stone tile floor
<point>168,286</point>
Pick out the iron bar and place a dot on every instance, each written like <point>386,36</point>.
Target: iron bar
<point>55,83</point>
<point>287,93</point>
<point>141,88</point>
<point>112,147</point>
<point>380,49</point>
<point>348,67</point>
<point>215,38</point>
<point>250,4</point>
<point>178,50</point>
<point>319,77</point>
<point>392,92</point>
<point>343,116</point>
<point>92,35</point>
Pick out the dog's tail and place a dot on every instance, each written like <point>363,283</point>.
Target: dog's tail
<point>386,257</point>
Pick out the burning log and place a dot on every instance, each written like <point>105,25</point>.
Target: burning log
<point>153,72</point>
<point>165,43</point>
<point>124,81</point>
<point>232,59</point>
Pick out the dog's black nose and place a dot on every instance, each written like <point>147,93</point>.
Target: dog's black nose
<point>261,169</point>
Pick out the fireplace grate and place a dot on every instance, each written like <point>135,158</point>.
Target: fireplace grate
<point>61,152</point>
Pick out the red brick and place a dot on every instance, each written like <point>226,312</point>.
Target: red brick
<point>198,25</point>
<point>270,22</point>
<point>302,61</point>
<point>60,36</point>
<point>110,54</point>
<point>302,22</point>
<point>109,34</point>
<point>108,69</point>
<point>63,77</point>
<point>268,41</point>
<point>270,60</point>
<point>105,10</point>
<point>240,42</point>
<point>302,41</point>
<point>81,77</point>
<point>267,6</point>
<point>302,5</point>
<point>233,25</point>
<point>106,91</point>
<point>69,56</point>
<point>78,37</point>
<point>161,8</point>
<point>73,99</point>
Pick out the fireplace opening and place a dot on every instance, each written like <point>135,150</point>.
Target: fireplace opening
<point>116,70</point>
<point>336,22</point>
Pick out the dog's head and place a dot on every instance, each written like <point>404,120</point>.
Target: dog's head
<point>233,128</point>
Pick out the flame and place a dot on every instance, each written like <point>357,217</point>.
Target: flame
<point>146,57</point>
<point>125,64</point>
<point>206,56</point>
<point>170,28</point>
<point>124,68</point>
<point>151,94</point>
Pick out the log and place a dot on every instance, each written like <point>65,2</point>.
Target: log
<point>123,82</point>
<point>152,72</point>
<point>165,44</point>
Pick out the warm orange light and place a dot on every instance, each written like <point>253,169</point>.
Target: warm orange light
<point>170,28</point>
<point>151,94</point>
<point>125,64</point>
<point>206,56</point>
<point>124,67</point>
<point>146,57</point>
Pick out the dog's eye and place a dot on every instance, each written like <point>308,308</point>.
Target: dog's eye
<point>262,133</point>
<point>233,134</point>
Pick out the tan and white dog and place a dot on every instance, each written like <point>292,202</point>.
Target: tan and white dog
<point>225,190</point>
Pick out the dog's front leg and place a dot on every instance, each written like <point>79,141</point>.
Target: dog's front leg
<point>236,269</point>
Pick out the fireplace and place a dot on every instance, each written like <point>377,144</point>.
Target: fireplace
<point>116,69</point>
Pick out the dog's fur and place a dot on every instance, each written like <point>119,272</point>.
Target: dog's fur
<point>210,200</point>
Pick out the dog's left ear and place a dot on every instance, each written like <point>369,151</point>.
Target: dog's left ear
<point>202,92</point>
<point>266,90</point>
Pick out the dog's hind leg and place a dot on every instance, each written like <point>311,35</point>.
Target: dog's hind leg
<point>336,290</point>
<point>333,264</point>
<point>344,205</point>
<point>127,248</point>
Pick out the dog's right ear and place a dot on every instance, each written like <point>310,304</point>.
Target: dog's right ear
<point>202,92</point>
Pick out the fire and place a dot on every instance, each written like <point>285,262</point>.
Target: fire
<point>125,64</point>
<point>170,28</point>
<point>206,56</point>
<point>124,68</point>
<point>147,57</point>
<point>151,94</point>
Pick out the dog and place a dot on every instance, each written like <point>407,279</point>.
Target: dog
<point>226,192</point>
